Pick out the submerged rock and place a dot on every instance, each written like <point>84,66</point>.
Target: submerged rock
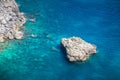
<point>32,20</point>
<point>77,49</point>
<point>11,20</point>
<point>33,35</point>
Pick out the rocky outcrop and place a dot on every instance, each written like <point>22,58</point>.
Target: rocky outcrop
<point>11,20</point>
<point>77,49</point>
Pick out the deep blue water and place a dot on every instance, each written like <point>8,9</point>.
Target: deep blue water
<point>41,58</point>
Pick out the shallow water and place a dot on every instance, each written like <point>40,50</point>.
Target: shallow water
<point>41,58</point>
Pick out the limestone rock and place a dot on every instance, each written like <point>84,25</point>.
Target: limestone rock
<point>2,38</point>
<point>11,20</point>
<point>19,35</point>
<point>77,49</point>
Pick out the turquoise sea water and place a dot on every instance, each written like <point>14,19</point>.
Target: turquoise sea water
<point>41,58</point>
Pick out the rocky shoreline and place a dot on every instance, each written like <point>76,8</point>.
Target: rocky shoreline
<point>11,21</point>
<point>77,49</point>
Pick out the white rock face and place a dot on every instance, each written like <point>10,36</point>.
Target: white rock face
<point>19,35</point>
<point>2,38</point>
<point>11,20</point>
<point>78,49</point>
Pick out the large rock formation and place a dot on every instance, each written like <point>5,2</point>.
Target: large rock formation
<point>11,20</point>
<point>78,49</point>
